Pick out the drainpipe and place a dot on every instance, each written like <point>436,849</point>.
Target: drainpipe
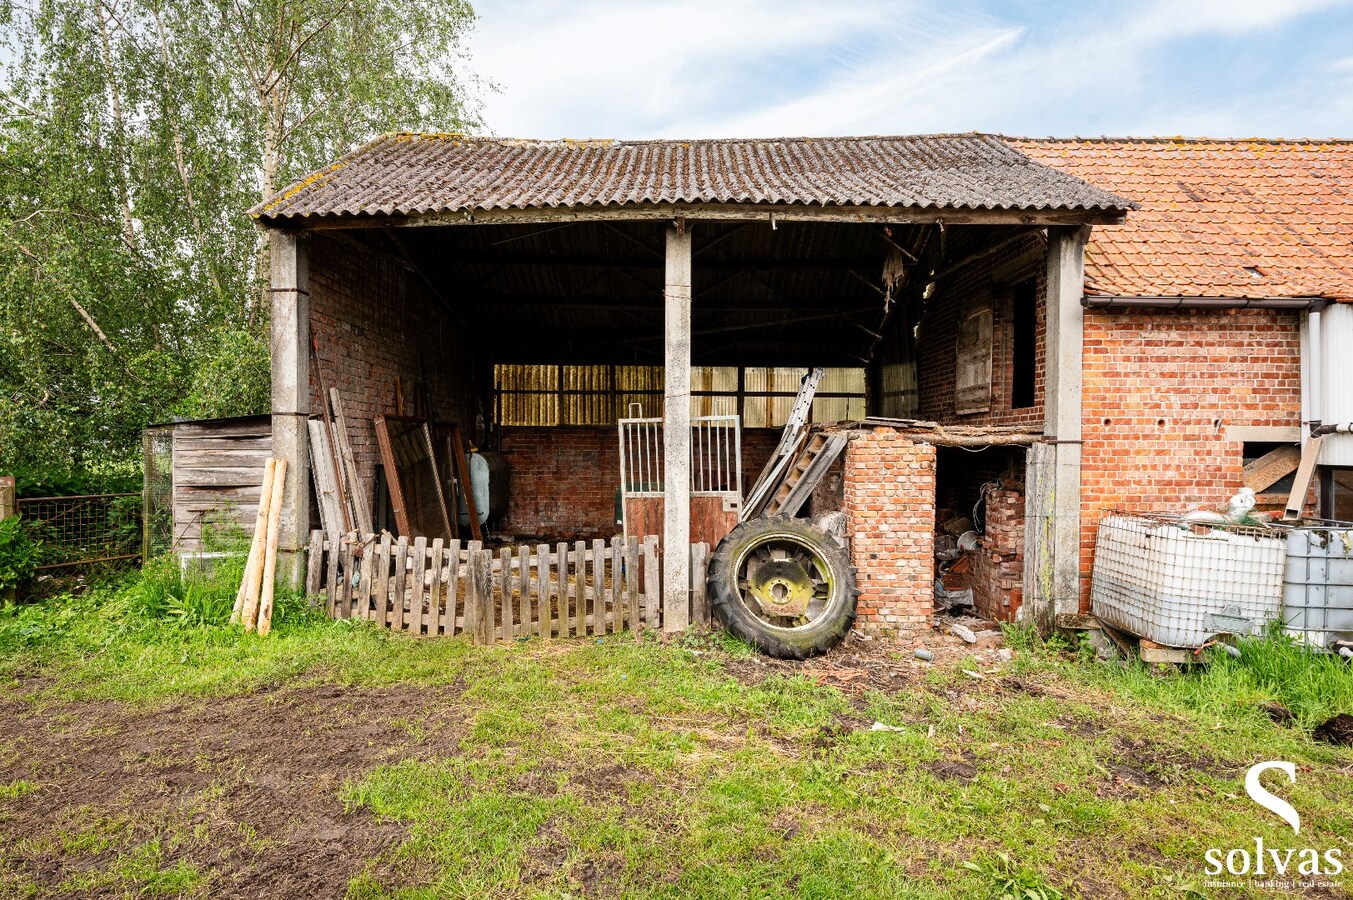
<point>1107,301</point>
<point>1317,385</point>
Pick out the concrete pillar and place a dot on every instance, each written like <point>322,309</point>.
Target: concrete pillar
<point>1053,516</point>
<point>676,432</point>
<point>290,283</point>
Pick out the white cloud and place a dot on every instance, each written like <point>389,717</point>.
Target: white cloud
<point>698,68</point>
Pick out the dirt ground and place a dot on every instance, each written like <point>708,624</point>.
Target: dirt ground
<point>255,776</point>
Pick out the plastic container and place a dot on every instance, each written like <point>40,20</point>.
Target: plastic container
<point>1318,584</point>
<point>1179,583</point>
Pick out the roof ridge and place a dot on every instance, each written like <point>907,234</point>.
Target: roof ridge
<point>629,142</point>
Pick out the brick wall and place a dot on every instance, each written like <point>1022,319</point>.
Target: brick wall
<point>1159,389</point>
<point>889,501</point>
<point>986,279</point>
<point>374,322</point>
<point>998,563</point>
<point>563,480</point>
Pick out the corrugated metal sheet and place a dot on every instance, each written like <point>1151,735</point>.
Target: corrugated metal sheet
<point>412,174</point>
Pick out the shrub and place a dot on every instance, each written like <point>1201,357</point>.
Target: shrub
<point>18,554</point>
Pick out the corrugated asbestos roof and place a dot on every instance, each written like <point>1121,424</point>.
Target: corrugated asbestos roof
<point>1218,218</point>
<point>413,174</point>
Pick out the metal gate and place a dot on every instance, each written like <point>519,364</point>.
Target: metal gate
<point>716,459</point>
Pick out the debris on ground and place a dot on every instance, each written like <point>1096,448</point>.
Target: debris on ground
<point>1337,731</point>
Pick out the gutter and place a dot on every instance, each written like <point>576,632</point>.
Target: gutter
<point>1116,301</point>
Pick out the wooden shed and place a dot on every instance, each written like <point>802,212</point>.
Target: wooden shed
<point>207,471</point>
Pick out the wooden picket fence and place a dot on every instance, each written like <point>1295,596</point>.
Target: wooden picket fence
<point>444,588</point>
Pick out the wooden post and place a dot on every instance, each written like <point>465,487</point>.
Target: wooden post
<point>417,579</point>
<point>598,586</point>
<point>617,585</point>
<point>1052,535</point>
<point>632,586</point>
<point>699,600</point>
<point>314,564</point>
<point>524,589</point>
<point>290,279</point>
<point>402,580</point>
<point>561,563</point>
<point>543,596</point>
<point>435,587</point>
<point>9,507</point>
<point>580,588</point>
<point>676,431</point>
<point>505,562</point>
<point>480,595</point>
<point>452,586</point>
<point>652,583</point>
<point>382,581</point>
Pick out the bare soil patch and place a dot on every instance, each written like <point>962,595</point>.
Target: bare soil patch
<point>246,789</point>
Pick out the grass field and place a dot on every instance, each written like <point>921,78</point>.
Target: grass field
<point>147,751</point>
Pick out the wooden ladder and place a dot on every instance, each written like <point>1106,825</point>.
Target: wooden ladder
<point>803,475</point>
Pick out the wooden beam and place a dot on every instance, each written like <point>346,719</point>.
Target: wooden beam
<point>1278,463</point>
<point>712,212</point>
<point>676,432</point>
<point>868,264</point>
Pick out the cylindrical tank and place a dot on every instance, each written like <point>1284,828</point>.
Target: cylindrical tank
<point>488,480</point>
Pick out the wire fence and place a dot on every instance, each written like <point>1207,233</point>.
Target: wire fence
<point>83,531</point>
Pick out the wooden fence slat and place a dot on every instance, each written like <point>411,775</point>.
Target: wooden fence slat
<point>331,575</point>
<point>401,579</point>
<point>367,569</point>
<point>434,617</point>
<point>382,582</point>
<point>345,587</point>
<point>617,584</point>
<point>480,594</point>
<point>579,594</point>
<point>314,561</point>
<point>561,565</point>
<point>453,576</point>
<point>413,620</point>
<point>632,586</point>
<point>524,587</point>
<point>598,583</point>
<point>699,600</point>
<point>652,583</point>
<point>505,581</point>
<point>543,592</point>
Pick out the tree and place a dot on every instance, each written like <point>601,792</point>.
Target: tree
<point>135,134</point>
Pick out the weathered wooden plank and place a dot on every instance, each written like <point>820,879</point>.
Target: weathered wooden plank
<point>1261,473</point>
<point>452,580</point>
<point>345,586</point>
<point>413,619</point>
<point>217,476</point>
<point>357,496</point>
<point>542,568</point>
<point>632,587</point>
<point>480,595</point>
<point>561,564</point>
<point>434,616</point>
<point>524,590</point>
<point>505,582</point>
<point>579,592</point>
<point>598,604</point>
<point>618,605</point>
<point>1301,483</point>
<point>652,583</point>
<point>382,585</point>
<point>364,579</point>
<point>402,581</point>
<point>333,550</point>
<point>314,564</point>
<point>699,599</point>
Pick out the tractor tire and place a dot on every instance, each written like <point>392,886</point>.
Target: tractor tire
<point>780,560</point>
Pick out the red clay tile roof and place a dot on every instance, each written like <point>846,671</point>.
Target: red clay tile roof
<point>1224,218</point>
<point>414,174</point>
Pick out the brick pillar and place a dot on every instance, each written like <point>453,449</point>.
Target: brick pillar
<point>889,502</point>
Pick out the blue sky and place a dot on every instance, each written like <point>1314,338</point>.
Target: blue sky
<point>761,68</point>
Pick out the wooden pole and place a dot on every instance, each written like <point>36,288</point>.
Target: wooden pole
<point>8,507</point>
<point>259,538</point>
<point>264,609</point>
<point>676,433</point>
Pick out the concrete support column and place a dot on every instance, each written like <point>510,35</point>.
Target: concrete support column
<point>1053,516</point>
<point>676,432</point>
<point>290,283</point>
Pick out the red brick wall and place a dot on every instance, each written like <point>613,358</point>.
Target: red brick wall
<point>374,321</point>
<point>990,277</point>
<point>1159,389</point>
<point>998,563</point>
<point>563,480</point>
<point>890,510</point>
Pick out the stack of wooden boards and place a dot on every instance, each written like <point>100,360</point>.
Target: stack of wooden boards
<point>254,600</point>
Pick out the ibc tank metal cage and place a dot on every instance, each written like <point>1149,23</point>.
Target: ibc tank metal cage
<point>1178,582</point>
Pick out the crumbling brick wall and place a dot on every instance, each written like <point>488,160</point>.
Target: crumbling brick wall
<point>998,561</point>
<point>1159,390</point>
<point>563,479</point>
<point>374,321</point>
<point>889,502</point>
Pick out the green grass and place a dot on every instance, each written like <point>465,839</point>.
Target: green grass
<point>616,768</point>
